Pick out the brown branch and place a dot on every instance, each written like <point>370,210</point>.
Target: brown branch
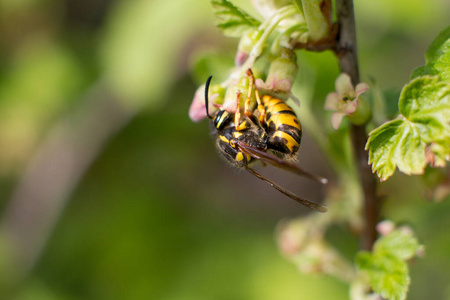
<point>342,40</point>
<point>348,61</point>
<point>346,40</point>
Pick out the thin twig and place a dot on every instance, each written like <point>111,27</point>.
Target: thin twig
<point>348,62</point>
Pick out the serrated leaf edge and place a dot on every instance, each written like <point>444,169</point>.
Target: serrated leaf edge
<point>231,18</point>
<point>376,168</point>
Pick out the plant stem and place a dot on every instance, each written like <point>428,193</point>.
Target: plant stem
<point>348,61</point>
<point>268,27</point>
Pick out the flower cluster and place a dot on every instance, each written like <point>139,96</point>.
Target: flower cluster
<point>271,41</point>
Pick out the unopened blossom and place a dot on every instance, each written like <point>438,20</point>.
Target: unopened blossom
<point>385,227</point>
<point>246,44</point>
<point>282,74</point>
<point>237,91</point>
<point>346,101</point>
<point>197,110</point>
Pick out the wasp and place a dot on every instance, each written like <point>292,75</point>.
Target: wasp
<point>272,139</point>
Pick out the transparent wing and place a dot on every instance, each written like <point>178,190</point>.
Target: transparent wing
<point>313,205</point>
<point>278,162</point>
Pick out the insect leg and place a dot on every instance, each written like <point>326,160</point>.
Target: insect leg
<point>261,110</point>
<point>249,95</point>
<point>237,115</point>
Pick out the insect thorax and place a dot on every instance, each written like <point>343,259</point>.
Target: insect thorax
<point>253,136</point>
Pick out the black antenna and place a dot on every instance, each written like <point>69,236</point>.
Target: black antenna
<point>208,81</point>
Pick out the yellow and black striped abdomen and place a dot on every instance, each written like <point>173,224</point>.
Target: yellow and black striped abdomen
<point>283,126</point>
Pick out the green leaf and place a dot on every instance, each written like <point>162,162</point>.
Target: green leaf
<point>437,57</point>
<point>382,145</point>
<point>421,71</point>
<point>399,244</point>
<point>423,97</point>
<point>419,136</point>
<point>388,275</point>
<point>386,266</point>
<point>232,20</point>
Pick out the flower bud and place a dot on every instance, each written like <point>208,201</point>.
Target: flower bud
<point>282,73</point>
<point>363,112</point>
<point>318,26</point>
<point>197,111</point>
<point>268,8</point>
<point>235,91</point>
<point>385,227</point>
<point>246,44</point>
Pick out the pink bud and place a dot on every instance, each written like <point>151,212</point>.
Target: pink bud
<point>197,111</point>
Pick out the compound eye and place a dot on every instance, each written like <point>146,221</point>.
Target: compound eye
<point>221,119</point>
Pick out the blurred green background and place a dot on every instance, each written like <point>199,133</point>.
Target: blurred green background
<point>109,191</point>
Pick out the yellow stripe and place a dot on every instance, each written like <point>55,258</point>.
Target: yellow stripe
<point>222,117</point>
<point>224,139</point>
<point>286,119</point>
<point>279,107</point>
<point>237,134</point>
<point>266,99</point>
<point>275,105</point>
<point>291,142</point>
<point>239,156</point>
